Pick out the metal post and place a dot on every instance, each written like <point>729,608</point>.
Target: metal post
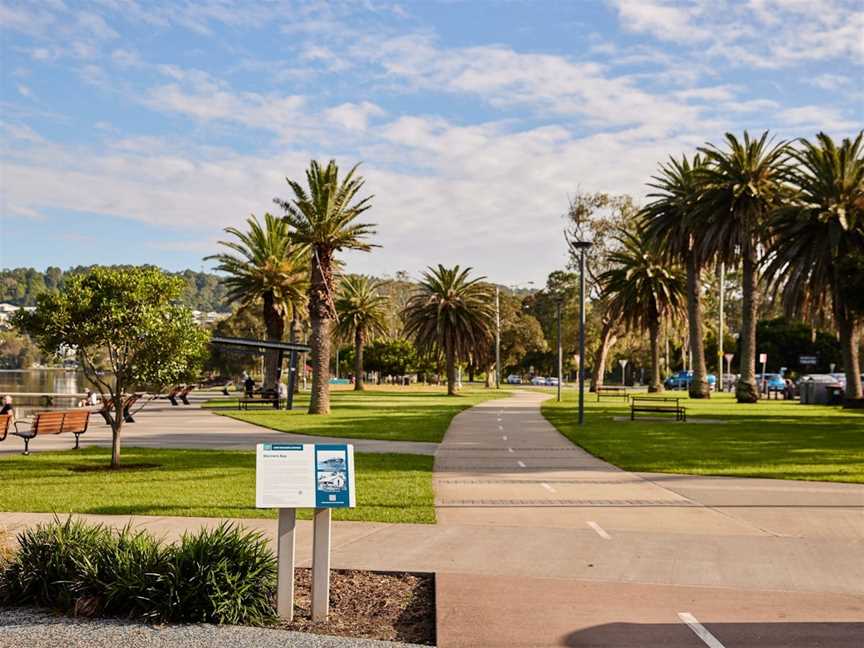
<point>497,339</point>
<point>582,336</point>
<point>560,360</point>
<point>321,565</point>
<point>720,327</point>
<point>337,362</point>
<point>285,561</point>
<point>292,380</point>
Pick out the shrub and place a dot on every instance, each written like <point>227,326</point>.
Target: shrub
<point>224,575</point>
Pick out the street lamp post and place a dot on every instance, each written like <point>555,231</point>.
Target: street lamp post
<point>497,340</point>
<point>582,247</point>
<point>560,359</point>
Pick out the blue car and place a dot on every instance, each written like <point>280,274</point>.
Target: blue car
<point>682,380</point>
<point>771,382</point>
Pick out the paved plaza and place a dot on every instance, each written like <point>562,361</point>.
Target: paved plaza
<point>540,544</point>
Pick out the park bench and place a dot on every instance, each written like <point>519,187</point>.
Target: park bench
<point>265,397</point>
<point>108,405</point>
<point>184,393</point>
<point>5,424</point>
<point>661,404</point>
<point>73,421</point>
<point>174,393</point>
<point>604,391</point>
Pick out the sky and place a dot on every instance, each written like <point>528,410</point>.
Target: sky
<point>134,131</point>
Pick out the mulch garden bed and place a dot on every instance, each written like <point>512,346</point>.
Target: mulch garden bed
<point>387,606</point>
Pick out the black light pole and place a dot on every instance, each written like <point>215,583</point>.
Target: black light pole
<point>582,247</point>
<point>560,363</point>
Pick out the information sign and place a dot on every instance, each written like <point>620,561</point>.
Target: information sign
<point>304,475</point>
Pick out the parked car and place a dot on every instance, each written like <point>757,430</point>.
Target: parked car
<point>771,382</point>
<point>513,379</point>
<point>551,381</point>
<point>538,380</point>
<point>682,380</point>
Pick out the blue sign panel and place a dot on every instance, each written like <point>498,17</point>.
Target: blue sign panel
<point>332,479</point>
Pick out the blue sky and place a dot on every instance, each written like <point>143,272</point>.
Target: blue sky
<point>134,131</point>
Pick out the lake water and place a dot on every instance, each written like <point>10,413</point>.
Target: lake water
<point>52,381</point>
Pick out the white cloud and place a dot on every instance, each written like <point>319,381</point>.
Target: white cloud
<point>354,116</point>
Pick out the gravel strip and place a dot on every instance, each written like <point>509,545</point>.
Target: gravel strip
<point>39,629</point>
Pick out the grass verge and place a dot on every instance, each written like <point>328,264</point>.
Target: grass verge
<point>774,439</point>
<point>394,488</point>
<point>384,412</point>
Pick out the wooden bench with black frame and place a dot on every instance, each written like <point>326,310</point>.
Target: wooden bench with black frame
<point>5,424</point>
<point>660,404</point>
<point>265,397</point>
<point>72,421</point>
<point>608,391</point>
<point>108,405</point>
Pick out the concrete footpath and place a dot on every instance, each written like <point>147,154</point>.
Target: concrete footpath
<point>540,544</point>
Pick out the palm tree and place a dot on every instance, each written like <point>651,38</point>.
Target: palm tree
<point>362,316</point>
<point>671,225</point>
<point>817,235</point>
<point>642,290</point>
<point>740,186</point>
<point>450,315</point>
<point>268,270</point>
<point>325,219</point>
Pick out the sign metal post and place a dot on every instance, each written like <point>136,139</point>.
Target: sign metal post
<point>289,476</point>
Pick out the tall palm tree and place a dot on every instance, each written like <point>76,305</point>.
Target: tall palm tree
<point>267,270</point>
<point>815,237</point>
<point>325,219</point>
<point>740,186</point>
<point>643,290</point>
<point>362,316</point>
<point>450,315</point>
<point>672,226</point>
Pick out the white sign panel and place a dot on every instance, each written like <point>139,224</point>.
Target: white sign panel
<point>763,358</point>
<point>304,475</point>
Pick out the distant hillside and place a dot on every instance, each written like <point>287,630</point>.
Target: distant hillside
<point>20,286</point>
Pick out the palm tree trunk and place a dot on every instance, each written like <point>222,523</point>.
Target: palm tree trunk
<point>451,369</point>
<point>849,345</point>
<point>294,337</point>
<point>745,390</point>
<point>654,331</point>
<point>321,317</point>
<point>274,324</point>
<point>699,385</point>
<point>607,341</point>
<point>358,359</point>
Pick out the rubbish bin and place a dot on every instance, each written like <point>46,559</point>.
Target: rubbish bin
<point>805,388</point>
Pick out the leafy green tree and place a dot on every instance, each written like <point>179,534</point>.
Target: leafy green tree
<point>740,186</point>
<point>815,236</point>
<point>267,270</point>
<point>642,290</point>
<point>128,317</point>
<point>391,357</point>
<point>672,224</point>
<point>362,317</point>
<point>450,315</point>
<point>325,219</point>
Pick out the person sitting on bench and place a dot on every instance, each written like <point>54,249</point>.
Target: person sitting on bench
<point>8,408</point>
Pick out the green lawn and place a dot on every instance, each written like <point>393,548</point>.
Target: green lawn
<point>386,413</point>
<point>777,439</point>
<point>200,483</point>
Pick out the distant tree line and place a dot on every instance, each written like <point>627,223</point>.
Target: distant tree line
<point>202,291</point>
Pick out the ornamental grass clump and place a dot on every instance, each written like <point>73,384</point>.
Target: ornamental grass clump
<point>224,575</point>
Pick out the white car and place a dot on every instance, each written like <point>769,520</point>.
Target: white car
<point>551,381</point>
<point>513,379</point>
<point>538,380</point>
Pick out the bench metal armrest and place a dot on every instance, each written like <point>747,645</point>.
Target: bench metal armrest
<point>28,431</point>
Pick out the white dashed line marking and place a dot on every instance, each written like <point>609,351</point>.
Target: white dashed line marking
<point>504,438</point>
<point>700,630</point>
<point>599,530</point>
<point>547,487</point>
<point>521,464</point>
<point>500,427</point>
<point>509,449</point>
